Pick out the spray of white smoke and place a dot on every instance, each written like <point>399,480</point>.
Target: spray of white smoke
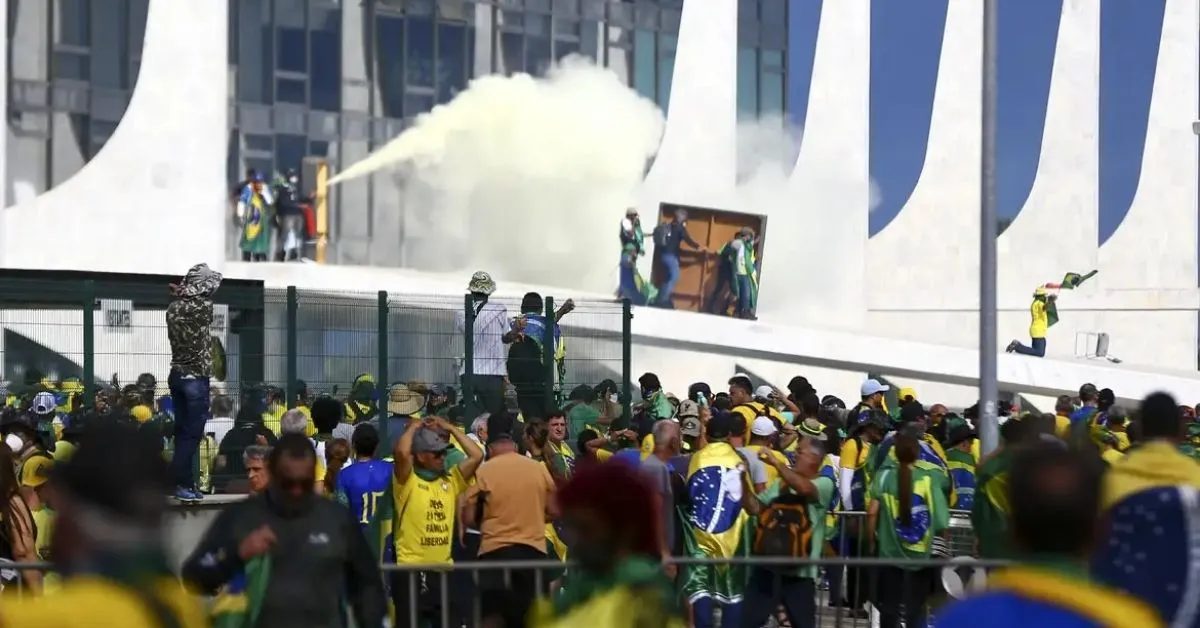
<point>813,242</point>
<point>524,177</point>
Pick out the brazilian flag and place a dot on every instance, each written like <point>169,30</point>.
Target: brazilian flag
<point>1070,281</point>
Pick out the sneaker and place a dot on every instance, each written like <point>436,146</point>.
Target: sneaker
<point>1012,346</point>
<point>186,495</point>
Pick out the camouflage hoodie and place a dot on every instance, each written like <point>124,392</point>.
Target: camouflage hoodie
<point>188,320</point>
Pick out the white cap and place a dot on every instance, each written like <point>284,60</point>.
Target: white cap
<point>872,386</point>
<point>43,403</point>
<point>763,426</point>
<point>763,392</point>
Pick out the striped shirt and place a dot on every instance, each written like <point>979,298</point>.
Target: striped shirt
<point>491,323</point>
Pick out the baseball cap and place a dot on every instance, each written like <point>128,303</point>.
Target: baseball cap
<point>872,386</point>
<point>36,471</point>
<point>721,425</point>
<point>43,403</point>
<point>428,440</point>
<point>763,426</point>
<point>763,392</point>
<point>687,409</point>
<point>689,426</point>
<point>437,390</point>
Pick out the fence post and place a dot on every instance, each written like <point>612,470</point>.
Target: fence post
<point>382,379</point>
<point>548,351</point>
<point>626,359</point>
<point>291,342</point>
<point>89,342</point>
<point>468,384</point>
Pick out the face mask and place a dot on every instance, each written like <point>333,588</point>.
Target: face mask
<point>613,398</point>
<point>14,442</point>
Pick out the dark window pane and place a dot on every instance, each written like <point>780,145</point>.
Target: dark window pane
<point>644,66</point>
<point>389,48</point>
<point>666,68</point>
<point>512,53</point>
<point>72,66</point>
<point>137,25</point>
<point>292,47</point>
<point>290,150</point>
<point>416,104</point>
<point>452,61</point>
<point>747,82</point>
<point>538,25</point>
<point>566,26</point>
<point>564,48</point>
<point>101,131</point>
<point>537,55</point>
<point>771,93</point>
<point>72,20</point>
<point>418,52</point>
<point>747,10</point>
<point>291,90</point>
<point>255,59</point>
<point>317,149</point>
<point>326,76</point>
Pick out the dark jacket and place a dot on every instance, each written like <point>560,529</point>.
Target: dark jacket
<point>669,236</point>
<point>189,317</point>
<point>319,558</point>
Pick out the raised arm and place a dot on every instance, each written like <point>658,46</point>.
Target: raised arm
<point>402,453</point>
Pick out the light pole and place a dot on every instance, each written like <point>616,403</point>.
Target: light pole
<point>988,425</point>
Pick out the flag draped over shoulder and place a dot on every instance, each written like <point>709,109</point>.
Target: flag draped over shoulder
<point>714,484</point>
<point>238,605</point>
<point>715,524</point>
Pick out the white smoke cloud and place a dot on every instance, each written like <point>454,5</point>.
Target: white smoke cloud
<point>807,233</point>
<point>556,157</point>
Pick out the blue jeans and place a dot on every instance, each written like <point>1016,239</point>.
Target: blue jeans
<point>1038,349</point>
<point>671,264</point>
<point>190,396</point>
<point>629,288</point>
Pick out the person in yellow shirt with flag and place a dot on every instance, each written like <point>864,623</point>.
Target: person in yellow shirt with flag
<point>1039,323</point>
<point>1149,503</point>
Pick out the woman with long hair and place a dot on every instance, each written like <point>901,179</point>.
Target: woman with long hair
<point>19,534</point>
<point>337,452</point>
<point>908,509</point>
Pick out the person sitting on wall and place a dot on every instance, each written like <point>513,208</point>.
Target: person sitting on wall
<point>1038,325</point>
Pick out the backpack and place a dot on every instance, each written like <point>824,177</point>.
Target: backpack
<point>784,529</point>
<point>660,235</point>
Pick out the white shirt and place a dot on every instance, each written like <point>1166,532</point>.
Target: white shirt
<point>491,323</point>
<point>219,426</point>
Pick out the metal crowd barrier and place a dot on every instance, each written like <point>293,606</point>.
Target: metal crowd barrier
<point>455,595</point>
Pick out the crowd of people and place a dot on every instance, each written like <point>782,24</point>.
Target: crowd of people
<point>278,204</point>
<point>709,507</point>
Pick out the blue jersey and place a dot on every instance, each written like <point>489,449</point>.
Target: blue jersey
<point>364,484</point>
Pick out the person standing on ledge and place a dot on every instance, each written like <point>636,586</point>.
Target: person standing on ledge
<point>668,237</point>
<point>1039,323</point>
<point>189,317</point>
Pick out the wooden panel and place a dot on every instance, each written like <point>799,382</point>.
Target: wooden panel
<point>712,228</point>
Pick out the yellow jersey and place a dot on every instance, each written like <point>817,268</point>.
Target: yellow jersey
<point>1039,322</point>
<point>43,519</point>
<point>424,521</point>
<point>93,602</point>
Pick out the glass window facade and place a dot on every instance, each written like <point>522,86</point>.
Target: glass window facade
<point>72,67</point>
<point>336,79</point>
<point>762,41</point>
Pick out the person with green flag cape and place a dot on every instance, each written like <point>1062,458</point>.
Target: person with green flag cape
<point>1043,313</point>
<point>737,270</point>
<point>633,245</point>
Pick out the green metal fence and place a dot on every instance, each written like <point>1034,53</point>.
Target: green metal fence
<point>106,332</point>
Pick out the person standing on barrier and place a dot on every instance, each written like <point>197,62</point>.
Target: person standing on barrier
<point>109,541</point>
<point>491,332</point>
<point>425,498</point>
<point>1055,494</point>
<point>307,554</point>
<point>511,502</point>
<point>908,509</point>
<point>789,521</point>
<point>189,317</point>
